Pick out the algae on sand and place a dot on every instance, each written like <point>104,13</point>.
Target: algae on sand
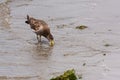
<point>107,45</point>
<point>68,75</point>
<point>81,27</point>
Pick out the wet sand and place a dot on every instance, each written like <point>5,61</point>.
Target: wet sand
<point>92,52</point>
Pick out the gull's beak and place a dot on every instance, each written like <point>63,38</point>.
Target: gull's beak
<point>51,43</point>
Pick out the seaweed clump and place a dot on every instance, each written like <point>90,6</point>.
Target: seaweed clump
<point>68,75</point>
<point>81,27</point>
<point>107,45</point>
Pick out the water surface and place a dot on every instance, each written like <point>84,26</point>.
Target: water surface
<point>21,58</point>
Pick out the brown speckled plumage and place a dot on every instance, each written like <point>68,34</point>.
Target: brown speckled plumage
<point>40,27</point>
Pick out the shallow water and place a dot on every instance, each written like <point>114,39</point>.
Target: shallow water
<point>21,58</point>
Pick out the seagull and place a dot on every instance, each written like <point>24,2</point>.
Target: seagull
<point>41,28</point>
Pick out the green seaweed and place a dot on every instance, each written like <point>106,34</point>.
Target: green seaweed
<point>68,75</point>
<point>81,27</point>
<point>107,45</point>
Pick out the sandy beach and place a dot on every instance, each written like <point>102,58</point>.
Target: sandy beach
<point>93,52</point>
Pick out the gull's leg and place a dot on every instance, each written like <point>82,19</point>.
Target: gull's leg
<point>38,38</point>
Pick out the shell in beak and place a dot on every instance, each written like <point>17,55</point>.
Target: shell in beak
<point>51,43</point>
